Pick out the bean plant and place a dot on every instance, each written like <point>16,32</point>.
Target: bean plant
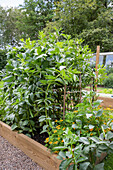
<point>35,76</point>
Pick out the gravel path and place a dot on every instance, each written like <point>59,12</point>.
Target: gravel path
<point>12,158</point>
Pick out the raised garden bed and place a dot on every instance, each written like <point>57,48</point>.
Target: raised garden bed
<point>107,102</point>
<point>37,152</point>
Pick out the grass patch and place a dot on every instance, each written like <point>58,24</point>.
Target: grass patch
<point>102,90</point>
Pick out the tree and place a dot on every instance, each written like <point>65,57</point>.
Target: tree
<point>10,26</point>
<point>91,20</point>
<point>37,14</point>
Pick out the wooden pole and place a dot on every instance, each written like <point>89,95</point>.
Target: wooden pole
<point>97,62</point>
<point>80,87</point>
<point>64,102</point>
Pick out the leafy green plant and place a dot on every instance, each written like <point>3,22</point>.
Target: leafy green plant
<point>82,136</point>
<point>82,152</point>
<point>35,76</point>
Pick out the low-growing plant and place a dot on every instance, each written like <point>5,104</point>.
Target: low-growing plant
<point>82,136</point>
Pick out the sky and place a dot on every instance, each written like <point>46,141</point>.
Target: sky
<point>11,3</point>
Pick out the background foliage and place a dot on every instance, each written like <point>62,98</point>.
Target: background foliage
<point>86,19</point>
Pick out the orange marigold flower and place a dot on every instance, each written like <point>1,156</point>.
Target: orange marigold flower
<point>56,151</point>
<point>57,127</point>
<point>56,120</point>
<point>75,111</point>
<point>112,120</point>
<point>104,130</point>
<point>55,131</point>
<point>74,128</point>
<point>58,138</point>
<point>91,129</point>
<point>64,128</point>
<point>91,134</point>
<point>56,142</point>
<point>104,123</point>
<point>73,122</point>
<point>47,139</point>
<point>61,120</point>
<point>50,142</point>
<point>62,141</point>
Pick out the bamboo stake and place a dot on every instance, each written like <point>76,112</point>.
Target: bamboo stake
<point>80,88</point>
<point>97,62</point>
<point>64,101</point>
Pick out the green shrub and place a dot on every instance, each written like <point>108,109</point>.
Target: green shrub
<point>109,69</point>
<point>108,82</point>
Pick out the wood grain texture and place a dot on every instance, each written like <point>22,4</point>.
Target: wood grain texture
<point>37,152</point>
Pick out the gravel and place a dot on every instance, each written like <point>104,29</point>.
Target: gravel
<point>12,158</point>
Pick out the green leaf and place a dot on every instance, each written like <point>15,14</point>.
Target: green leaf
<point>109,135</point>
<point>65,163</point>
<point>84,166</point>
<point>24,122</point>
<point>95,139</point>
<point>72,167</point>
<point>59,148</point>
<point>91,126</point>
<point>59,157</point>
<point>62,154</point>
<point>99,113</point>
<point>60,80</point>
<point>99,167</point>
<point>68,154</point>
<point>8,79</point>
<point>31,113</point>
<point>97,103</point>
<point>84,140</point>
<point>62,67</point>
<point>81,159</point>
<point>14,126</point>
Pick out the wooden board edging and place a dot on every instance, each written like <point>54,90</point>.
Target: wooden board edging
<point>37,152</point>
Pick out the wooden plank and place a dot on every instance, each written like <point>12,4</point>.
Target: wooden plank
<point>97,62</point>
<point>37,152</point>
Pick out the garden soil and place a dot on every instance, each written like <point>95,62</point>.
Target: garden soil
<point>12,158</point>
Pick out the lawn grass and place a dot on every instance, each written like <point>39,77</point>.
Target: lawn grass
<point>102,90</point>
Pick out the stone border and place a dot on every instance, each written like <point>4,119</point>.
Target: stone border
<point>37,152</point>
